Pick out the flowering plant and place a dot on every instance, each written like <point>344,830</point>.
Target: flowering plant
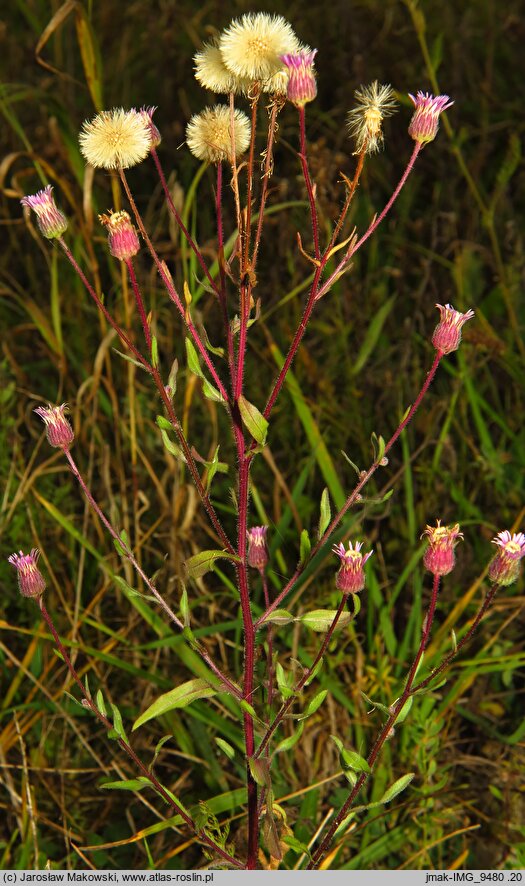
<point>257,60</point>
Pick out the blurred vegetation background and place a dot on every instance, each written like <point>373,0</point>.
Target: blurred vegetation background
<point>454,236</point>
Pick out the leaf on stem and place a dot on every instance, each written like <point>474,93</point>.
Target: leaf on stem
<point>351,463</point>
<point>284,681</point>
<point>184,607</point>
<point>397,787</point>
<point>173,448</point>
<point>204,562</point>
<point>129,359</point>
<point>194,365</point>
<point>131,784</point>
<point>154,352</point>
<point>278,617</point>
<point>326,513</point>
<point>260,770</point>
<point>287,743</point>
<point>225,748</point>
<point>118,727</point>
<point>350,759</point>
<point>253,420</point>
<point>378,446</point>
<point>305,547</point>
<point>314,704</point>
<point>180,697</point>
<point>321,619</point>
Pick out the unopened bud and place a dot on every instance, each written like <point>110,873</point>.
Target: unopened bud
<point>31,582</point>
<point>257,549</point>
<point>59,432</point>
<point>122,236</point>
<point>439,557</point>
<point>350,578</point>
<point>447,334</point>
<point>505,567</point>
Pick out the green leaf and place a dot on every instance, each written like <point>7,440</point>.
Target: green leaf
<point>287,743</point>
<point>99,701</point>
<point>283,681</point>
<point>118,728</point>
<point>378,445</point>
<point>321,619</point>
<point>305,547</point>
<point>326,512</point>
<point>214,466</point>
<point>376,704</point>
<point>254,421</point>
<point>350,759</point>
<point>172,378</point>
<point>132,784</point>
<point>315,703</point>
<point>356,604</point>
<point>296,845</point>
<point>351,463</point>
<point>195,366</point>
<point>260,770</point>
<point>173,448</point>
<point>225,748</point>
<point>397,787</point>
<point>204,562</point>
<point>180,697</point>
<point>129,359</point>
<point>405,710</point>
<point>154,352</point>
<point>279,617</point>
<point>184,607</point>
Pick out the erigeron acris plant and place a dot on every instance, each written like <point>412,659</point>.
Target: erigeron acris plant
<point>258,59</point>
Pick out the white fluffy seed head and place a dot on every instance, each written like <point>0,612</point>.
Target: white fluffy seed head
<point>212,73</point>
<point>252,45</point>
<point>374,103</point>
<point>208,134</point>
<point>115,139</point>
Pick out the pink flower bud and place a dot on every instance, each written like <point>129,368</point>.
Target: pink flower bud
<point>350,578</point>
<point>302,86</point>
<point>122,236</point>
<point>59,432</point>
<point>31,582</point>
<point>147,116</point>
<point>505,567</point>
<point>425,121</point>
<point>447,334</point>
<point>51,222</point>
<point>439,556</point>
<point>257,549</point>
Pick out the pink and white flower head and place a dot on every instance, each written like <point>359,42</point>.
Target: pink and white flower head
<point>302,85</point>
<point>425,120</point>
<point>350,578</point>
<point>50,220</point>
<point>147,115</point>
<point>31,582</point>
<point>505,567</point>
<point>257,548</point>
<point>59,432</point>
<point>447,334</point>
<point>439,557</point>
<point>122,236</point>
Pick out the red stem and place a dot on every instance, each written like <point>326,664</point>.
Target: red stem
<point>383,735</point>
<point>140,304</point>
<point>123,337</point>
<point>357,489</point>
<point>172,292</point>
<point>308,181</point>
<point>151,587</point>
<point>375,223</point>
<point>285,707</point>
<point>193,246</point>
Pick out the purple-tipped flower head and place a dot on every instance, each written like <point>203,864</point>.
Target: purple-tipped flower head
<point>505,567</point>
<point>257,548</point>
<point>59,432</point>
<point>350,578</point>
<point>302,85</point>
<point>122,237</point>
<point>147,115</point>
<point>31,582</point>
<point>425,120</point>
<point>51,222</point>
<point>439,557</point>
<point>447,334</point>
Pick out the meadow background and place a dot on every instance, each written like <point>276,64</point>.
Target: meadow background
<point>455,235</point>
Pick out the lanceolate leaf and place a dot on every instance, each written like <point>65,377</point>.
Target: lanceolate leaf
<point>321,619</point>
<point>255,422</point>
<point>326,512</point>
<point>204,562</point>
<point>397,787</point>
<point>180,697</point>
